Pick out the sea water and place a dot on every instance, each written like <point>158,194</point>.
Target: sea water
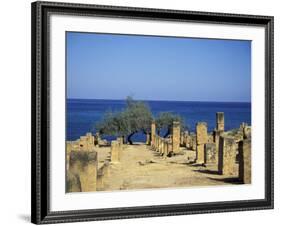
<point>83,114</point>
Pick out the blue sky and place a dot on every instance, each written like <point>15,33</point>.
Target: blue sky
<point>105,66</point>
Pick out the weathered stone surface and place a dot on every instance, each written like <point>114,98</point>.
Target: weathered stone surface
<point>193,141</point>
<point>227,156</point>
<point>247,132</point>
<point>90,138</point>
<point>220,121</point>
<point>161,146</point>
<point>176,137</point>
<point>156,143</point>
<point>97,139</point>
<point>170,146</point>
<point>210,138</point>
<point>115,151</point>
<point>83,143</point>
<point>166,147</point>
<point>210,153</point>
<point>148,139</point>
<point>83,166</point>
<point>200,155</point>
<point>153,133</point>
<point>245,161</point>
<point>216,135</point>
<point>102,172</point>
<point>201,140</point>
<point>73,182</point>
<point>182,138</point>
<point>201,133</point>
<point>186,140</point>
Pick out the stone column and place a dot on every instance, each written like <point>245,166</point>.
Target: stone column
<point>227,156</point>
<point>170,146</point>
<point>90,140</point>
<point>115,155</point>
<point>162,146</point>
<point>157,143</point>
<point>148,139</point>
<point>216,136</point>
<point>166,146</point>
<point>245,161</point>
<point>176,137</point>
<point>153,132</point>
<point>120,143</point>
<point>97,139</point>
<point>210,153</point>
<point>220,121</point>
<point>182,138</point>
<point>201,140</point>
<point>186,139</point>
<point>193,142</point>
<point>68,151</point>
<point>83,165</point>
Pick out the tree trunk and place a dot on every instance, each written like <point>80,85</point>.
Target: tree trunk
<point>129,138</point>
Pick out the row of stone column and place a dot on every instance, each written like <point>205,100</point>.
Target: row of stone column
<point>169,146</point>
<point>162,145</point>
<point>84,143</point>
<point>223,151</point>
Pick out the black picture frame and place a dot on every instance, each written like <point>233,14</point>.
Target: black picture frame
<point>40,211</point>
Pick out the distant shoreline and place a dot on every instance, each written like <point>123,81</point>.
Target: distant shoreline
<point>193,101</point>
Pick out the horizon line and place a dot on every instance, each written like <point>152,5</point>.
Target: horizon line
<point>71,98</point>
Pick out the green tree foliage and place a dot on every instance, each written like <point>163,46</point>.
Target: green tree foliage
<point>164,122</point>
<point>136,117</point>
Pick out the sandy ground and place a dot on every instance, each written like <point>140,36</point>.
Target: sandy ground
<point>140,168</point>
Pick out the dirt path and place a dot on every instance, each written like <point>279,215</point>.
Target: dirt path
<point>140,168</point>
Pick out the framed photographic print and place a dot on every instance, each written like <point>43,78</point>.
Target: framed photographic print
<point>141,112</point>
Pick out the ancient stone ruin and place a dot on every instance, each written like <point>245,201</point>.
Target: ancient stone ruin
<point>226,153</point>
<point>229,154</point>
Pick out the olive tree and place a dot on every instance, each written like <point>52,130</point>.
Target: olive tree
<point>164,122</point>
<point>136,117</point>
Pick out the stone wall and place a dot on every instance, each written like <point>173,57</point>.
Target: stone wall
<point>82,173</point>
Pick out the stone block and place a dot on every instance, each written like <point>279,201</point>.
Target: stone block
<point>83,166</point>
<point>227,156</point>
<point>166,147</point>
<point>176,137</point>
<point>220,121</point>
<point>115,151</point>
<point>210,153</point>
<point>201,133</point>
<point>153,132</point>
<point>245,165</point>
<point>200,155</point>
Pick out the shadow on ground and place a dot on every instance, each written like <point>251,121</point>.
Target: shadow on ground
<point>232,180</point>
<point>207,171</point>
